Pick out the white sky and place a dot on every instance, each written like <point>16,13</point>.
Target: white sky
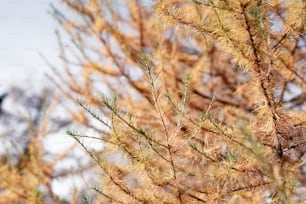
<point>26,29</point>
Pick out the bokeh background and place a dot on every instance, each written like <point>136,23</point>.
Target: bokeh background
<point>27,36</point>
<point>27,31</point>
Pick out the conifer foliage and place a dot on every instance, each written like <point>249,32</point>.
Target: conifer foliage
<point>27,168</point>
<point>198,101</point>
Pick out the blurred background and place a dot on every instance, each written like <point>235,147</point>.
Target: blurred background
<point>27,36</point>
<point>27,30</point>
